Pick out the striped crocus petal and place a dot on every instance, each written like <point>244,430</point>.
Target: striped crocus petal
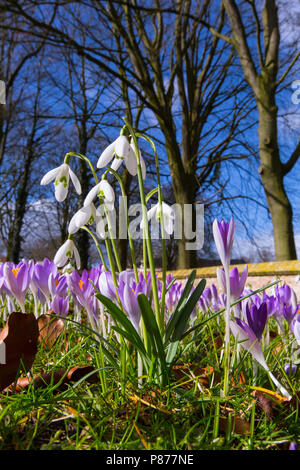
<point>243,333</point>
<point>224,235</point>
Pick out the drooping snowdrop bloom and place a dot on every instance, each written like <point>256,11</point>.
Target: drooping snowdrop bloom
<point>168,216</point>
<point>121,150</point>
<point>61,175</point>
<point>83,216</point>
<point>65,252</point>
<point>105,193</point>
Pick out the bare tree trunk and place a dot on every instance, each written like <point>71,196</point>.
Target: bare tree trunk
<point>14,239</point>
<point>264,86</point>
<point>272,178</point>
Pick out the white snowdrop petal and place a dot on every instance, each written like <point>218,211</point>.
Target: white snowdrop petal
<point>143,167</point>
<point>131,162</point>
<point>168,225</point>
<point>83,215</point>
<point>75,181</point>
<point>106,156</point>
<point>73,227</point>
<point>91,195</point>
<point>77,257</point>
<point>122,146</point>
<point>60,257</point>
<point>117,162</point>
<point>50,176</point>
<point>108,191</point>
<point>61,192</point>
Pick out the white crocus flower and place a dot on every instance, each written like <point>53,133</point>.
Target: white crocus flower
<point>105,192</point>
<point>65,252</point>
<point>168,216</point>
<point>85,215</point>
<point>121,149</point>
<point>61,175</point>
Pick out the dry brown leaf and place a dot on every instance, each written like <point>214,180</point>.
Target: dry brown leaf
<point>20,336</point>
<point>238,425</point>
<point>62,375</point>
<point>188,374</point>
<point>50,329</point>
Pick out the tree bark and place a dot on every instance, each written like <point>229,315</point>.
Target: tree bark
<point>264,86</point>
<point>271,171</point>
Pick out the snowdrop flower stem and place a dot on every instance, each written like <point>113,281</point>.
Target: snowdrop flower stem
<point>82,157</point>
<point>160,202</point>
<point>227,334</point>
<point>146,225</point>
<point>97,246</point>
<point>131,247</point>
<point>117,258</point>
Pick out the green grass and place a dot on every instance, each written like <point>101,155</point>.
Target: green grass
<point>181,416</point>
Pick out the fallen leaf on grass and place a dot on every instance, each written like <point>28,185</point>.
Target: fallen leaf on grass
<point>238,425</point>
<point>63,377</point>
<point>270,402</point>
<point>188,374</point>
<point>50,329</point>
<point>20,336</point>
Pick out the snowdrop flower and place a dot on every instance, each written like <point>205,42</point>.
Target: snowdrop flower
<point>168,216</point>
<point>104,191</point>
<point>61,175</point>
<point>65,252</point>
<point>122,150</point>
<point>86,214</point>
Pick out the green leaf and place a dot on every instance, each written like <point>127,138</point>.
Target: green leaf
<point>121,318</point>
<point>186,311</point>
<point>154,333</point>
<point>176,315</point>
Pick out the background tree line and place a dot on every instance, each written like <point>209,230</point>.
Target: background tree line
<point>205,78</point>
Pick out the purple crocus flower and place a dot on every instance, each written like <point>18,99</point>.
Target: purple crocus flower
<point>81,287</point>
<point>57,285</point>
<point>106,286</point>
<point>293,446</point>
<point>295,327</point>
<point>223,235</point>
<point>215,302</point>
<point>173,296</point>
<point>237,282</point>
<point>288,312</point>
<point>17,278</point>
<point>128,298</point>
<point>290,369</point>
<point>40,276</point>
<point>60,305</point>
<point>257,318</point>
<point>249,341</point>
<point>287,306</point>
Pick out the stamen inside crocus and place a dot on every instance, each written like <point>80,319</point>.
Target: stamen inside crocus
<point>15,271</point>
<point>80,283</point>
<point>56,282</point>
